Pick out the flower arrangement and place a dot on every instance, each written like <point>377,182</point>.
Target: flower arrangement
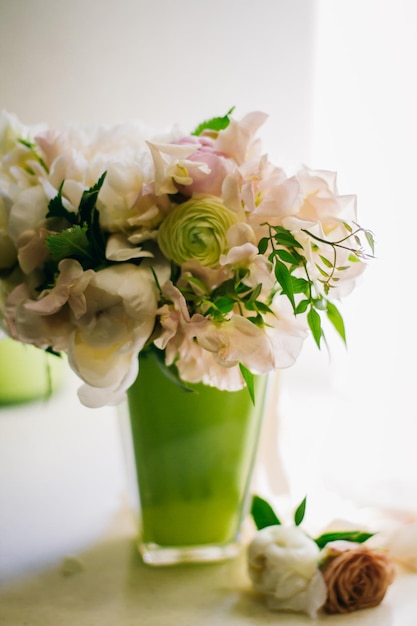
<point>337,572</point>
<point>118,240</point>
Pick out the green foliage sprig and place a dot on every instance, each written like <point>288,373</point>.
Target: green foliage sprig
<point>83,240</point>
<point>287,259</point>
<point>215,123</point>
<point>263,515</point>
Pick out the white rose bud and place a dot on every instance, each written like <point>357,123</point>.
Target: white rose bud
<point>283,565</point>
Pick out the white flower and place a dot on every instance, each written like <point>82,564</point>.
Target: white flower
<point>118,248</point>
<point>283,565</point>
<point>119,194</point>
<point>121,303</point>
<point>102,319</point>
<point>401,544</point>
<point>184,242</point>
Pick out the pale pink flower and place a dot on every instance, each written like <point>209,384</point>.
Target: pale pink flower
<point>319,199</point>
<point>237,141</point>
<point>32,249</point>
<point>244,253</point>
<point>180,337</point>
<point>176,322</point>
<point>44,331</point>
<point>197,365</point>
<point>210,180</point>
<point>237,340</point>
<point>267,193</point>
<point>173,166</point>
<point>69,288</point>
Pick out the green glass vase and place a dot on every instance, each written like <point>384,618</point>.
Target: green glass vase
<point>194,453</point>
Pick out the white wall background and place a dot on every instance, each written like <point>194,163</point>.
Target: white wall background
<point>106,61</point>
<point>358,415</point>
<point>338,80</point>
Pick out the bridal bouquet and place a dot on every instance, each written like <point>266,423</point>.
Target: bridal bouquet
<point>118,240</point>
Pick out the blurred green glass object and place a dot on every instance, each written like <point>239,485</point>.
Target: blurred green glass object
<point>27,373</point>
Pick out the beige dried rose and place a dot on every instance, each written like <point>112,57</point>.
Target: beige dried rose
<point>356,578</point>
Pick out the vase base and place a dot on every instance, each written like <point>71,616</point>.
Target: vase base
<point>153,554</point>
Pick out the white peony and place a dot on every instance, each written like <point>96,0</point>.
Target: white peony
<point>121,304</point>
<point>283,565</point>
<point>102,319</point>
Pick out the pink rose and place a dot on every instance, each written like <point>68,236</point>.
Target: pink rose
<point>219,166</point>
<point>356,578</point>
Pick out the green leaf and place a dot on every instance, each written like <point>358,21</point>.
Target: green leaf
<point>284,278</point>
<point>326,261</point>
<point>289,257</point>
<point>198,284</point>
<point>224,304</point>
<point>254,294</point>
<point>84,240</point>
<point>262,307</point>
<point>258,320</point>
<point>89,200</point>
<point>215,123</point>
<point>283,237</point>
<point>320,304</point>
<point>90,216</point>
<point>263,514</point>
<point>263,245</point>
<point>57,209</point>
<point>300,512</point>
<point>314,322</point>
<point>322,271</point>
<point>302,306</point>
<point>249,379</point>
<point>336,319</point>
<point>300,285</point>
<point>370,239</point>
<point>355,536</point>
<point>170,371</point>
<point>72,242</point>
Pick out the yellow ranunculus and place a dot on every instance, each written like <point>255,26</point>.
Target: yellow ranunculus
<point>196,230</point>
